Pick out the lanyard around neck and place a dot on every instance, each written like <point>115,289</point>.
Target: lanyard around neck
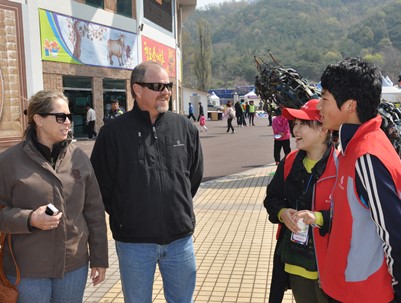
<point>305,191</point>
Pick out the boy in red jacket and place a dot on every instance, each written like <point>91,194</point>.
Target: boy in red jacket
<point>363,261</point>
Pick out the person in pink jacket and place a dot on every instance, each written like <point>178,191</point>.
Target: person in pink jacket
<point>282,135</point>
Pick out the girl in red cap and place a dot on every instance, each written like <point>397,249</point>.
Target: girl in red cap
<point>298,199</point>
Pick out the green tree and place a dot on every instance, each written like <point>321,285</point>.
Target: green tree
<point>203,55</point>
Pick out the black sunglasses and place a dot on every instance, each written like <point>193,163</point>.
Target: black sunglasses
<point>60,117</point>
<point>157,87</point>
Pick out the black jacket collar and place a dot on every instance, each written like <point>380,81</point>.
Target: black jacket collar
<point>49,155</point>
<point>144,115</point>
<point>347,131</point>
<point>319,167</point>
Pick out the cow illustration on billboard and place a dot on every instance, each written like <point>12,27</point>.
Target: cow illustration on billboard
<point>116,48</point>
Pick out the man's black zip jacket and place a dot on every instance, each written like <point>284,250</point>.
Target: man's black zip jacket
<point>148,174</point>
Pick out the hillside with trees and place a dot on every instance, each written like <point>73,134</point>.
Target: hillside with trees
<point>221,41</point>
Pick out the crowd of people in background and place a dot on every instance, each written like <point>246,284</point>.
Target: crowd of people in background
<point>244,112</point>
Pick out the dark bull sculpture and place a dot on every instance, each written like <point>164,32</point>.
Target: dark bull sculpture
<point>284,86</point>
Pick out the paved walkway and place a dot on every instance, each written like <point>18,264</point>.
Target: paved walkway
<point>234,244</point>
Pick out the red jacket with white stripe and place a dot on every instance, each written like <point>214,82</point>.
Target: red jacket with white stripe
<point>356,269</point>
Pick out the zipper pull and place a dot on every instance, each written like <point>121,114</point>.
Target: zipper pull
<point>154,132</point>
<point>139,137</point>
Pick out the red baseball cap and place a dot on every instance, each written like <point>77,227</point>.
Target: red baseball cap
<point>307,112</point>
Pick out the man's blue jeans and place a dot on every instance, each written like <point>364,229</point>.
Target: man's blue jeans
<point>69,289</point>
<point>177,266</point>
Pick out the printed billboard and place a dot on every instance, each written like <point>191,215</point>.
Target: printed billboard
<point>70,40</point>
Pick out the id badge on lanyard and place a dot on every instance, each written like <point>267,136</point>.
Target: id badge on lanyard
<point>302,236</point>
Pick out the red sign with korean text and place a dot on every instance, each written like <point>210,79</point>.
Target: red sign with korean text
<point>164,55</point>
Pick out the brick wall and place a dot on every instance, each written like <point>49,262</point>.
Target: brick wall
<point>12,83</point>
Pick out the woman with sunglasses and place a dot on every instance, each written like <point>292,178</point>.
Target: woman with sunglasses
<point>52,247</point>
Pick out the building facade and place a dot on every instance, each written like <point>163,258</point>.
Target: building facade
<point>87,49</point>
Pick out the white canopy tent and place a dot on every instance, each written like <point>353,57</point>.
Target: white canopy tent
<point>214,99</point>
<point>391,94</point>
<point>251,95</point>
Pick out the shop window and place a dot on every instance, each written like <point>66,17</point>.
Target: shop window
<point>78,101</point>
<point>95,3</point>
<point>113,84</point>
<point>159,12</point>
<point>124,7</point>
<point>78,90</point>
<point>77,82</point>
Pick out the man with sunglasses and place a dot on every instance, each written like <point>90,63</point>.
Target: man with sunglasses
<point>149,165</point>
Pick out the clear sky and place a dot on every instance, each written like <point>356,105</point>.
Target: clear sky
<point>202,3</point>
